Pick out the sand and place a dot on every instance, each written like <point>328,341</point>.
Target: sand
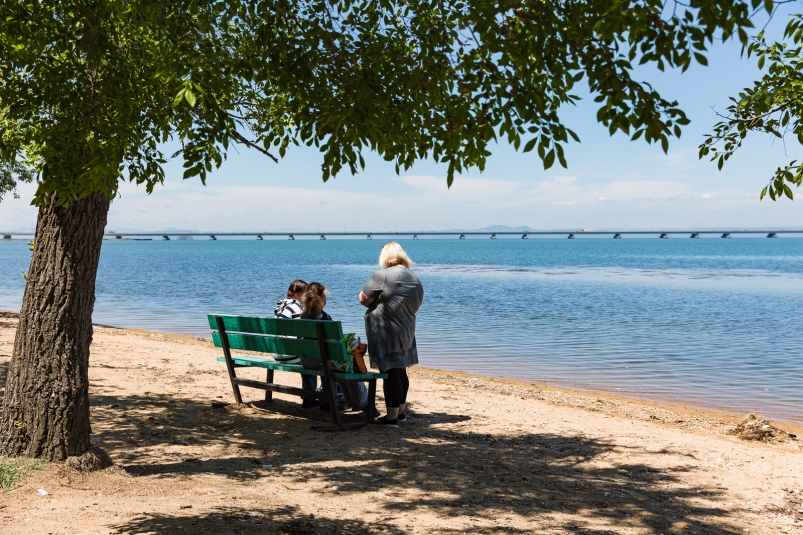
<point>480,455</point>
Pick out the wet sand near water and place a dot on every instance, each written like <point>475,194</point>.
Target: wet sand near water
<point>479,455</point>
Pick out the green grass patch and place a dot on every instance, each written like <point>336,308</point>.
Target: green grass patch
<point>15,469</point>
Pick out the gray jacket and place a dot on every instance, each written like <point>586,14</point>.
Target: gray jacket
<point>390,320</point>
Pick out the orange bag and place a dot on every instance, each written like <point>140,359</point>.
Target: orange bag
<point>359,358</point>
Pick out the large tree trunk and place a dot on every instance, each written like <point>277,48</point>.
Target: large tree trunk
<point>46,406</point>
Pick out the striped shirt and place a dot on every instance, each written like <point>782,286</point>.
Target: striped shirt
<point>288,308</point>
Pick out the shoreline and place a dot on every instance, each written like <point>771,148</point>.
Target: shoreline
<point>671,407</point>
<point>479,455</point>
<point>670,412</point>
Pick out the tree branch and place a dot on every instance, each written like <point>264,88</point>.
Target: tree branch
<point>239,138</point>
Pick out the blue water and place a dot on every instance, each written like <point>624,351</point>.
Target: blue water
<point>709,322</point>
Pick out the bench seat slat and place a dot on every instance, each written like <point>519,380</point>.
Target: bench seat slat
<point>282,346</point>
<point>277,326</point>
<point>270,364</point>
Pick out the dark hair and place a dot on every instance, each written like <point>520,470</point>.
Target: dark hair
<point>298,286</point>
<point>313,301</point>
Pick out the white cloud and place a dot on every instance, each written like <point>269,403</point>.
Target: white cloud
<point>416,201</point>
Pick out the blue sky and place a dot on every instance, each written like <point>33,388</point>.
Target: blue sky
<point>610,183</point>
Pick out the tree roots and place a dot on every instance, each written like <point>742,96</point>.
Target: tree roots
<point>92,459</point>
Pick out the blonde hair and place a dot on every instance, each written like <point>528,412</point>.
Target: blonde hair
<point>393,255</point>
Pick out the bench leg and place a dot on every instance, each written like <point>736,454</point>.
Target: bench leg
<point>268,393</point>
<point>332,395</point>
<point>369,409</point>
<point>224,340</point>
<point>237,397</point>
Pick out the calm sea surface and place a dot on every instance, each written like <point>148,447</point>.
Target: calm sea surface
<point>709,322</point>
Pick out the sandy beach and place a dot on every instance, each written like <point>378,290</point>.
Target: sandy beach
<point>479,455</point>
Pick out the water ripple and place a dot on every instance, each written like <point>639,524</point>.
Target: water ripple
<point>703,322</point>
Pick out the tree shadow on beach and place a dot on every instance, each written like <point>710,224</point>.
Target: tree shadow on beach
<point>236,520</point>
<point>451,471</point>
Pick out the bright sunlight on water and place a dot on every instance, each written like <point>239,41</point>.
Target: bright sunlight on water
<point>707,322</point>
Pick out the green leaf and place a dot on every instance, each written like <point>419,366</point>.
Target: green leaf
<point>701,59</point>
<point>179,98</point>
<point>549,159</point>
<point>189,96</point>
<point>561,157</point>
<point>191,172</point>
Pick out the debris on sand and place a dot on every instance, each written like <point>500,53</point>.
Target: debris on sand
<point>757,429</point>
<point>93,459</point>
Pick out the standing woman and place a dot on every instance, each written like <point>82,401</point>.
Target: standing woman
<point>393,295</point>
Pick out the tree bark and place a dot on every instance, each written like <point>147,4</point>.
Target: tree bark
<point>46,407</point>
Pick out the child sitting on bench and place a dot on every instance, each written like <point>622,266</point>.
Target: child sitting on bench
<point>290,307</point>
<point>314,301</point>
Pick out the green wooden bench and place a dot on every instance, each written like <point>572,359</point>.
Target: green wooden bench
<point>315,339</point>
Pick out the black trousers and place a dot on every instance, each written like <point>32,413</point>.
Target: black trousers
<point>395,387</point>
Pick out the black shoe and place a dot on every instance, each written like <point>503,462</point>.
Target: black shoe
<point>389,423</point>
<point>310,403</point>
<point>402,418</point>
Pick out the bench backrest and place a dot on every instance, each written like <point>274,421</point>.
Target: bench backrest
<point>279,336</point>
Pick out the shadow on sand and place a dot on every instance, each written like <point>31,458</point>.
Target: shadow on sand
<point>453,472</point>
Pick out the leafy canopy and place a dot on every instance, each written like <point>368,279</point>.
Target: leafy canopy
<point>92,89</point>
<point>774,106</point>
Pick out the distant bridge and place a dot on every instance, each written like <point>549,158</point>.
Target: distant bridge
<point>724,233</point>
